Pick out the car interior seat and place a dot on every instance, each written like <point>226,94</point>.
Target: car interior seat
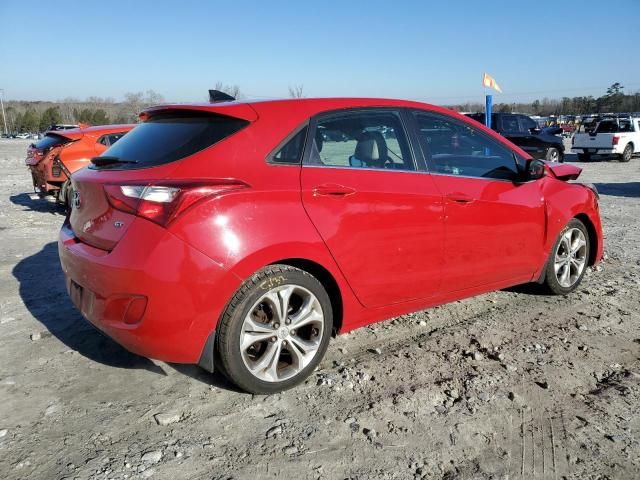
<point>371,150</point>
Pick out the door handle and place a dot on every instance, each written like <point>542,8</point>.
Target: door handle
<point>460,198</point>
<point>333,190</point>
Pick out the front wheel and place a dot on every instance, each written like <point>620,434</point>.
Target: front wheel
<point>568,260</point>
<point>627,153</point>
<point>275,330</point>
<point>553,155</point>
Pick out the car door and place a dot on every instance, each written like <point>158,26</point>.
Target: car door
<point>494,226</point>
<point>380,217</point>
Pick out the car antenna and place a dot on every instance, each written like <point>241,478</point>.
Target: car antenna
<point>216,96</point>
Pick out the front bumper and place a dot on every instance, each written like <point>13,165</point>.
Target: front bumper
<point>153,293</point>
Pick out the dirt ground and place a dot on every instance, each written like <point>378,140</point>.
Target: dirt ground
<point>511,384</point>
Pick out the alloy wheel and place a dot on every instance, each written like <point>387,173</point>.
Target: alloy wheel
<point>282,333</point>
<point>570,257</point>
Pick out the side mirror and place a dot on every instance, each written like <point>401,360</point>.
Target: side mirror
<point>534,130</point>
<point>535,169</point>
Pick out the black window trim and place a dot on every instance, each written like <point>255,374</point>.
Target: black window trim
<point>519,161</point>
<point>313,124</point>
<point>269,159</point>
<point>186,112</point>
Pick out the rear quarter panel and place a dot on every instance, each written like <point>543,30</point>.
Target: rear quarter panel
<point>78,154</point>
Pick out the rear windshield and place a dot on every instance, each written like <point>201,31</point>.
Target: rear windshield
<point>168,137</point>
<point>50,141</point>
<point>612,126</point>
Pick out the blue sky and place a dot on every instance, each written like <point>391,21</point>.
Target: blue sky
<point>428,50</point>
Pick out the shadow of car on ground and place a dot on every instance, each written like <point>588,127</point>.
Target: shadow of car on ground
<point>33,202</point>
<point>43,292</point>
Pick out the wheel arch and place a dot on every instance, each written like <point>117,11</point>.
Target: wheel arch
<point>327,280</point>
<point>593,237</point>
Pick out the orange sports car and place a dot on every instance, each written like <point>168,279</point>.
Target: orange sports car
<point>54,158</point>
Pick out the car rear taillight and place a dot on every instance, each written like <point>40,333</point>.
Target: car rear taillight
<point>616,139</point>
<point>34,156</point>
<point>161,202</point>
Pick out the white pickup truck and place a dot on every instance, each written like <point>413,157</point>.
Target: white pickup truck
<point>612,136</point>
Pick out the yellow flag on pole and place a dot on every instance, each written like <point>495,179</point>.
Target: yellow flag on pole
<point>490,82</point>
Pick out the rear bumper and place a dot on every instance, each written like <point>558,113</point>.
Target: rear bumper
<point>46,178</point>
<point>595,151</point>
<point>153,294</point>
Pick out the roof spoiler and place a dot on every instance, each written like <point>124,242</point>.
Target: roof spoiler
<point>216,96</point>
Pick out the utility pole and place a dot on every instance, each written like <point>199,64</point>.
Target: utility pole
<point>4,118</point>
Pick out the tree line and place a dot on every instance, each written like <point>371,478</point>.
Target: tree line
<point>614,100</point>
<point>38,116</point>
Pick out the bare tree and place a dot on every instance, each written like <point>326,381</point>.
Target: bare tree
<point>135,102</point>
<point>153,98</point>
<point>296,91</point>
<point>233,90</point>
<point>68,105</point>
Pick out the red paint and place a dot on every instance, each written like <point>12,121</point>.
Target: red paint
<point>394,242</point>
<point>82,144</point>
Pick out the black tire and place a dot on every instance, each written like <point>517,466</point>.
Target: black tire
<point>230,327</point>
<point>551,281</point>
<point>627,153</point>
<point>553,155</point>
<point>65,191</point>
<point>584,157</point>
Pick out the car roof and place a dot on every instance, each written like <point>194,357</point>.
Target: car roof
<point>304,107</point>
<point>298,110</point>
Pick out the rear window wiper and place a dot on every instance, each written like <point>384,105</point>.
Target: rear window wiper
<point>106,160</point>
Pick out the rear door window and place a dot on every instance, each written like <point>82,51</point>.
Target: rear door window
<point>114,137</point>
<point>362,139</point>
<point>527,124</point>
<point>168,137</point>
<point>510,124</point>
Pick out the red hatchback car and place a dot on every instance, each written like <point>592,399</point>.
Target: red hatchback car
<point>245,234</point>
<point>62,152</point>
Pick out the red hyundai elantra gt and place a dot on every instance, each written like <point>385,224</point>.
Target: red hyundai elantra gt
<point>245,234</point>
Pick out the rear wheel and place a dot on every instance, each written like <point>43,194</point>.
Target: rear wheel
<point>568,260</point>
<point>553,155</point>
<point>627,153</point>
<point>64,194</point>
<point>584,157</point>
<point>275,330</point>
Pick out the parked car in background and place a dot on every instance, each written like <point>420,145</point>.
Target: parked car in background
<point>240,235</point>
<point>611,136</point>
<point>54,158</point>
<point>526,134</point>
